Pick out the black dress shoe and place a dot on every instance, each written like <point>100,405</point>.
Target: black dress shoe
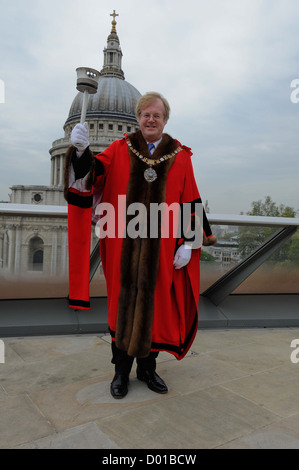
<point>154,382</point>
<point>119,386</point>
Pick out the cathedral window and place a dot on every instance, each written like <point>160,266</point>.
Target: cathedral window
<point>37,197</point>
<point>38,260</point>
<point>36,254</point>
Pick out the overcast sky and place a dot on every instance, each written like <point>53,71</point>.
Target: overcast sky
<point>226,67</point>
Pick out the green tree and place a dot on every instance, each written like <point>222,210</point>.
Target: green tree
<point>270,209</point>
<point>251,238</point>
<point>206,257</point>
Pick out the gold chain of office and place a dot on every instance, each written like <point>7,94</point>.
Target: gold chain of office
<point>150,161</point>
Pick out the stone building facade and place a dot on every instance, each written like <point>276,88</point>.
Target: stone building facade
<point>33,245</point>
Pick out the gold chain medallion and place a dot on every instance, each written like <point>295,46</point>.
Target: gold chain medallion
<point>150,173</point>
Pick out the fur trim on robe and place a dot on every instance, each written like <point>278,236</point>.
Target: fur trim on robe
<point>140,256</point>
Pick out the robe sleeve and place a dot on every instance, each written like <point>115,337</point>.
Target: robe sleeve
<point>79,195</point>
<point>194,222</point>
<point>84,185</point>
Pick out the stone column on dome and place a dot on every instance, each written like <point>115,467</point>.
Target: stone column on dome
<point>52,172</point>
<point>61,173</point>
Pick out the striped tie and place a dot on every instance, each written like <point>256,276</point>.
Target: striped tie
<point>151,148</point>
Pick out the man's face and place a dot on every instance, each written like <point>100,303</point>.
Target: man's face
<point>152,121</point>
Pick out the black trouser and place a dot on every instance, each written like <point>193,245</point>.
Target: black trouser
<point>123,362</point>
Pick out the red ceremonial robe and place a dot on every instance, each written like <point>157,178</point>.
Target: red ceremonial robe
<point>151,305</point>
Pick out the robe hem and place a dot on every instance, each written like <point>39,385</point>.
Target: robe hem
<point>179,351</point>
<point>79,304</point>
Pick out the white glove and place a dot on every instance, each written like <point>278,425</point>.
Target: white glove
<point>182,256</point>
<point>80,137</point>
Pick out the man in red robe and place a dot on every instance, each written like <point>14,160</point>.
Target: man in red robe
<point>151,262</point>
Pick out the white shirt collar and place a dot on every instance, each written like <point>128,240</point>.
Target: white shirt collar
<point>155,143</point>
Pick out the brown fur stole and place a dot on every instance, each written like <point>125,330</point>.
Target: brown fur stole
<point>140,256</point>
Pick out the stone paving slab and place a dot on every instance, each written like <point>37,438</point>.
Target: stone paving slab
<point>87,436</point>
<point>37,349</point>
<point>84,401</point>
<point>252,359</point>
<point>202,419</point>
<point>275,389</point>
<point>234,389</point>
<point>21,421</point>
<point>197,373</point>
<point>39,371</point>
<point>283,434</point>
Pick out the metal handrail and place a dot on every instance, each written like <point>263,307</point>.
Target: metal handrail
<point>214,219</point>
<point>231,219</point>
<point>32,209</point>
<point>224,286</point>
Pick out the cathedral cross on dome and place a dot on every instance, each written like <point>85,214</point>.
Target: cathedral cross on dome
<point>114,22</point>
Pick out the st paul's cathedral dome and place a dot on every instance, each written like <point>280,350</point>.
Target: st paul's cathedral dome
<point>110,114</point>
<point>116,98</point>
<point>110,111</point>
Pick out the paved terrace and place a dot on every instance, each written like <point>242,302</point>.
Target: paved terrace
<point>237,388</point>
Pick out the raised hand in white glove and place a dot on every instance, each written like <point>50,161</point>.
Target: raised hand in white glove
<point>80,136</point>
<point>182,256</point>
